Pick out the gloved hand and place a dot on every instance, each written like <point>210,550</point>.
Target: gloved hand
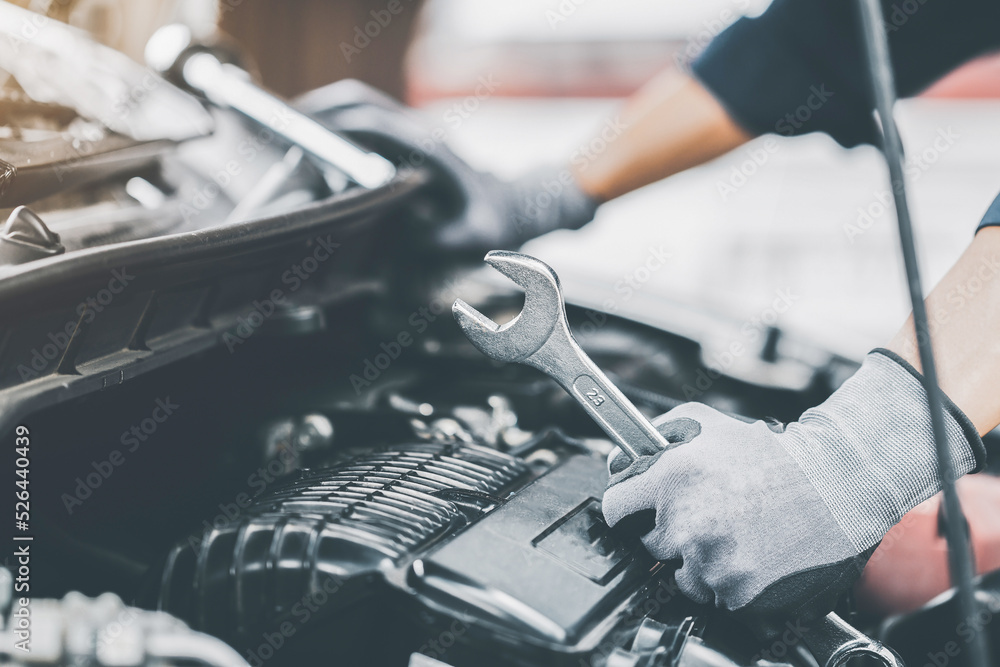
<point>778,523</point>
<point>463,209</point>
<point>505,214</point>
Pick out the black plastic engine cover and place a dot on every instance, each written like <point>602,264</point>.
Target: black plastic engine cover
<point>543,566</point>
<point>332,532</point>
<point>410,537</point>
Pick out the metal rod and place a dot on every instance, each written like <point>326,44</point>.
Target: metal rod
<point>228,85</point>
<point>959,549</point>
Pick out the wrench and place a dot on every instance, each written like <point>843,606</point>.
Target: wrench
<point>540,337</point>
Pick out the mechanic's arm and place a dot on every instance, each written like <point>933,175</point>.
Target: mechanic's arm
<point>964,314</point>
<point>673,123</point>
<point>793,70</point>
<point>777,522</point>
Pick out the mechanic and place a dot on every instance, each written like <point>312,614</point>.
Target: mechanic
<point>782,520</point>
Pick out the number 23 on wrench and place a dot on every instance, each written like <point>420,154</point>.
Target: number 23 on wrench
<point>540,337</point>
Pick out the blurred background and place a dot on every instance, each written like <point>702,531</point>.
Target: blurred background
<point>524,82</point>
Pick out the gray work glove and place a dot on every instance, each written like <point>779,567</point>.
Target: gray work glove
<point>461,208</point>
<point>777,523</point>
<point>506,214</point>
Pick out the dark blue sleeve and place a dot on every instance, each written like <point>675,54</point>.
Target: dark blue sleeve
<point>800,66</point>
<point>992,215</point>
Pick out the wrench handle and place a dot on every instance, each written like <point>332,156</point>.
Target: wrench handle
<point>614,413</point>
<point>563,359</point>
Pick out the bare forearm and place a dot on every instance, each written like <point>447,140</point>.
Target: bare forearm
<point>673,123</point>
<point>964,317</point>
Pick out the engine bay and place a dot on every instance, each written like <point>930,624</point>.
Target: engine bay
<point>450,507</point>
<point>259,437</point>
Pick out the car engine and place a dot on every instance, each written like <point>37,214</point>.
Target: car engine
<point>257,435</point>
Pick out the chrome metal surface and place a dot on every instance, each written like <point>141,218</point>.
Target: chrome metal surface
<point>834,642</point>
<point>540,337</point>
<point>229,86</point>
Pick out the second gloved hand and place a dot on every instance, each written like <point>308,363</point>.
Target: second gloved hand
<point>461,209</point>
<point>505,214</point>
<point>779,524</point>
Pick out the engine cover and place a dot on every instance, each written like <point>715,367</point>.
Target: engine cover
<point>514,564</point>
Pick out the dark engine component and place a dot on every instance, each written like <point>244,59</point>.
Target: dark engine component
<point>458,548</point>
<point>338,525</point>
<point>543,565</point>
<point>930,636</point>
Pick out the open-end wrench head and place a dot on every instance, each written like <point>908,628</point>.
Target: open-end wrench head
<point>525,334</point>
